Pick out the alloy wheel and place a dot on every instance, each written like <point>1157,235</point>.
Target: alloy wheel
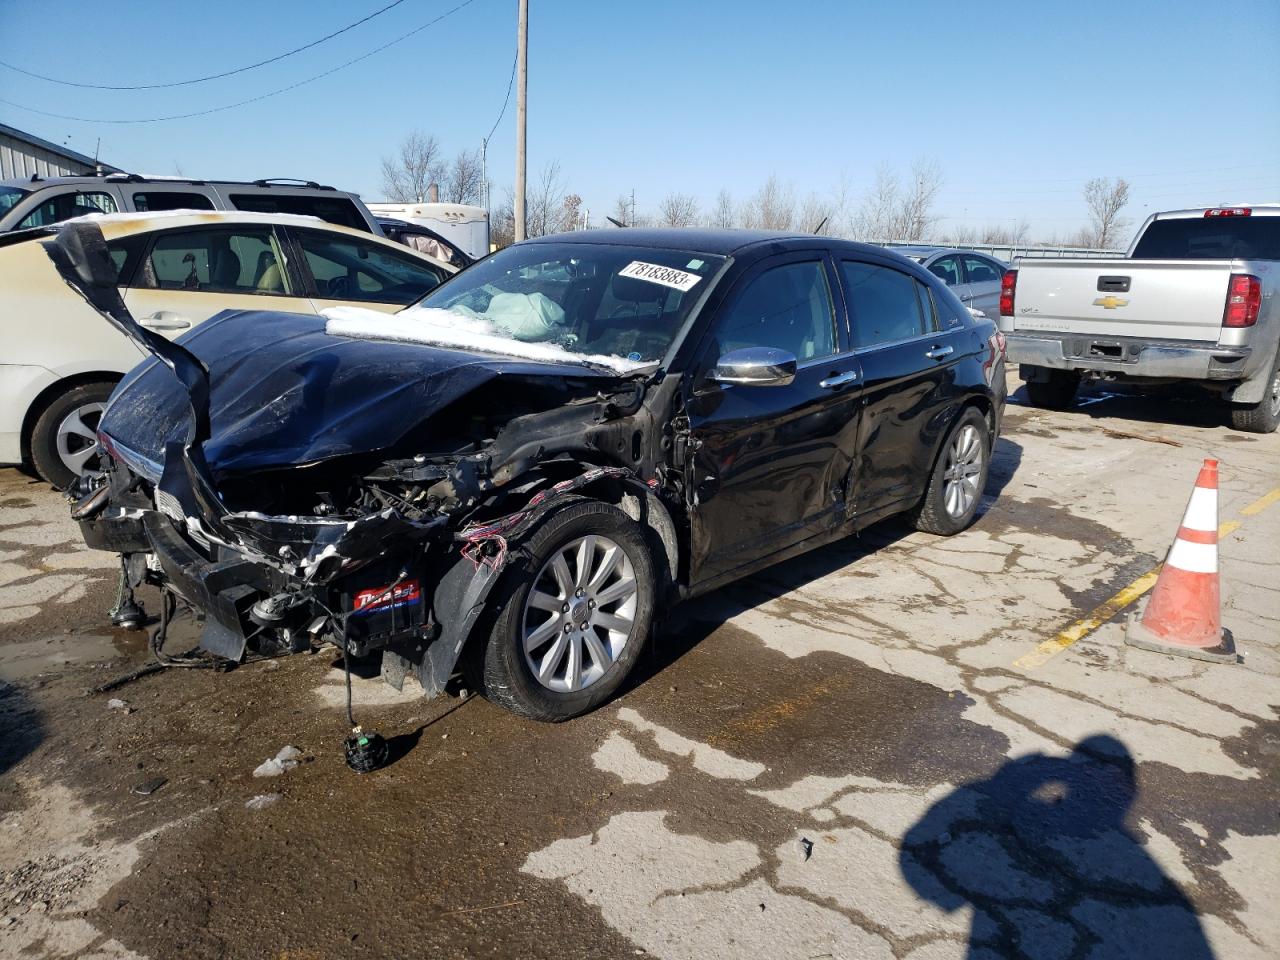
<point>77,438</point>
<point>579,613</point>
<point>963,471</point>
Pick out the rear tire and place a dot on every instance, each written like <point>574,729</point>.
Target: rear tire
<point>63,441</point>
<point>1261,417</point>
<point>959,476</point>
<point>1057,392</point>
<point>527,633</point>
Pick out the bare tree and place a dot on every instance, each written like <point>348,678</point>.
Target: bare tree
<point>622,210</point>
<point>916,211</point>
<point>678,210</point>
<point>571,213</point>
<point>1105,199</point>
<point>874,219</point>
<point>1012,233</point>
<point>722,214</point>
<point>406,177</point>
<point>890,211</point>
<point>544,203</point>
<point>815,215</point>
<point>772,207</point>
<point>462,184</point>
<point>502,221</point>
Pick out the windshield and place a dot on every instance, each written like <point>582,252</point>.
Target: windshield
<point>1210,238</point>
<point>9,197</point>
<point>591,299</point>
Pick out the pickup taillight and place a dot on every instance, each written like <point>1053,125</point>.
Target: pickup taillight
<point>1244,300</point>
<point>1008,286</point>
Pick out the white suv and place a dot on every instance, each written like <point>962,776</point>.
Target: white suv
<point>61,359</point>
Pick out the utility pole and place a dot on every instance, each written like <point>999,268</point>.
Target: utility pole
<point>522,84</point>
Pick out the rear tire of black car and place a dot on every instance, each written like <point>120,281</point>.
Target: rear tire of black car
<point>1263,417</point>
<point>1057,392</point>
<point>503,671</point>
<point>54,445</point>
<point>936,512</point>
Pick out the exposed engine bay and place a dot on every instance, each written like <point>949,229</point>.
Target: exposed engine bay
<point>383,522</point>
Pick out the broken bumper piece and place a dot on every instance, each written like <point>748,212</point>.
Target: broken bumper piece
<point>367,583</point>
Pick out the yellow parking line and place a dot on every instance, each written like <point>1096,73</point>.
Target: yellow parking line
<point>1104,612</point>
<point>1261,503</point>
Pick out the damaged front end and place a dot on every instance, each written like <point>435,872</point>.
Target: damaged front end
<point>369,494</point>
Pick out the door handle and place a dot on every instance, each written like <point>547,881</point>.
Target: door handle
<point>164,320</point>
<point>839,380</point>
<point>937,353</point>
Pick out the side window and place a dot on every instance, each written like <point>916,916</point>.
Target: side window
<point>215,260</point>
<point>788,307</point>
<point>125,255</point>
<point>334,209</point>
<point>349,269</point>
<point>980,271</point>
<point>170,200</point>
<point>948,268</point>
<point>64,206</point>
<point>884,304</point>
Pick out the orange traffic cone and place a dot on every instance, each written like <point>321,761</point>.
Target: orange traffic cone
<point>1183,615</point>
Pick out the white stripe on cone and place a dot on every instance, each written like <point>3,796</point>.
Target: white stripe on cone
<point>1202,510</point>
<point>1193,557</point>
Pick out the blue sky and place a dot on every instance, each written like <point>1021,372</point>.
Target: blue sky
<point>1018,103</point>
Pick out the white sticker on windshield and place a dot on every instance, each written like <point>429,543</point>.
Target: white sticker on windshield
<point>654,273</point>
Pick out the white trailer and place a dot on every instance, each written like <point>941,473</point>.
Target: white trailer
<point>465,226</point>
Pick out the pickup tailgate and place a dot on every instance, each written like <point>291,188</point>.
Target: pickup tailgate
<point>1155,299</point>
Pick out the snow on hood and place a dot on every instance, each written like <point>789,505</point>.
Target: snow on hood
<point>446,328</point>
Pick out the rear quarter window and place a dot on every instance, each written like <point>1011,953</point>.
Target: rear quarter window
<point>338,210</point>
<point>155,200</point>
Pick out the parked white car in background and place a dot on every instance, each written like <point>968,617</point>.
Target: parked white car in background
<point>61,359</point>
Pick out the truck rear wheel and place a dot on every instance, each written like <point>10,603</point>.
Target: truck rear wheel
<point>1052,389</point>
<point>1261,417</point>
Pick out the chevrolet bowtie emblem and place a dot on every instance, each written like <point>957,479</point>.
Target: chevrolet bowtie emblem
<point>1110,302</point>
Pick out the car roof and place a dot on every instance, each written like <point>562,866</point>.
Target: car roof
<point>35,181</point>
<point>117,225</point>
<point>709,240</point>
<point>126,224</point>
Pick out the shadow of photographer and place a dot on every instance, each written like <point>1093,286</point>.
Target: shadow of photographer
<point>1043,852</point>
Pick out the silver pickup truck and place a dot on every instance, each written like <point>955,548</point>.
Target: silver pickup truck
<point>1194,300</point>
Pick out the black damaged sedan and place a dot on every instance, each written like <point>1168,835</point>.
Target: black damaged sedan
<point>514,477</point>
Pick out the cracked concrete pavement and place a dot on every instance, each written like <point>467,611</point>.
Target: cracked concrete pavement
<point>848,755</point>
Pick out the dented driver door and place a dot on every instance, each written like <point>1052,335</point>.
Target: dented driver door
<point>769,463</point>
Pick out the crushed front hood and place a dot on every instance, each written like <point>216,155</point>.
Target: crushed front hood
<point>283,392</point>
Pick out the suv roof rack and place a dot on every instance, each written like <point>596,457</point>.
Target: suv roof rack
<point>122,176</point>
<point>288,181</point>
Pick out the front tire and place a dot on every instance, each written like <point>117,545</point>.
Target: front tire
<point>64,443</point>
<point>959,476</point>
<point>1261,417</point>
<point>573,613</point>
<point>1056,392</point>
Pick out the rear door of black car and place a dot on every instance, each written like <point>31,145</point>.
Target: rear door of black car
<point>770,461</point>
<point>907,352</point>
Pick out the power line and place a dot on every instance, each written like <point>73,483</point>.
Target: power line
<point>502,113</point>
<point>212,76</point>
<point>242,103</point>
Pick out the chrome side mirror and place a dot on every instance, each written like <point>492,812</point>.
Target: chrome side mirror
<point>756,367</point>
